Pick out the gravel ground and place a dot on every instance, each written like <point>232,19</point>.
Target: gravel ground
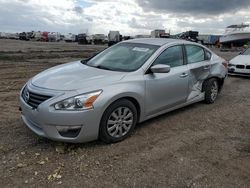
<point>196,146</point>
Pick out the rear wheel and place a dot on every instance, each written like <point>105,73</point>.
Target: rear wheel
<point>118,121</point>
<point>211,89</point>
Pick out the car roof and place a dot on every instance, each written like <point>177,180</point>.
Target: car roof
<point>154,41</point>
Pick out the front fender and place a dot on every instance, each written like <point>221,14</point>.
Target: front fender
<point>115,92</point>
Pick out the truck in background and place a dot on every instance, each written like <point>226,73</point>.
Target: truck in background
<point>114,37</point>
<point>209,39</point>
<point>160,33</point>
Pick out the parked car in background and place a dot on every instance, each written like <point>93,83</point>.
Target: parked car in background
<point>37,36</point>
<point>99,39</point>
<point>70,37</point>
<point>12,36</point>
<point>107,95</point>
<point>54,37</point>
<point>240,65</point>
<point>24,36</point>
<point>62,37</point>
<point>2,35</point>
<point>30,35</point>
<point>83,39</point>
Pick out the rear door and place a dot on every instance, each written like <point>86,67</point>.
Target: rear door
<point>165,90</point>
<point>199,66</point>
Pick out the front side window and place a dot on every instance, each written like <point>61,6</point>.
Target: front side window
<point>173,56</point>
<point>125,57</point>
<point>194,54</point>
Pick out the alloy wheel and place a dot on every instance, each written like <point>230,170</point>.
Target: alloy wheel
<point>120,122</point>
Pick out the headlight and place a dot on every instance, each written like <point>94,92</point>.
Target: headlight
<point>80,102</point>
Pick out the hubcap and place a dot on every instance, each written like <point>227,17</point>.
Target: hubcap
<point>214,91</point>
<point>120,122</point>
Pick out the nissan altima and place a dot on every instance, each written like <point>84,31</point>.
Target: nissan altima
<point>105,96</point>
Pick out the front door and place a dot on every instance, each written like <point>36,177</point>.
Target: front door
<point>165,90</point>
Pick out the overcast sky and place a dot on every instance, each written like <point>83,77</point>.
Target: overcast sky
<point>130,17</point>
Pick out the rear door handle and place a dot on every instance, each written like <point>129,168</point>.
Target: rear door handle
<point>183,75</point>
<point>206,67</point>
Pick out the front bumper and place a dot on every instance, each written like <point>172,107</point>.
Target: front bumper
<point>237,71</point>
<point>44,121</point>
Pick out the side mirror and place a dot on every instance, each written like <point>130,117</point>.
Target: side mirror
<point>240,53</point>
<point>160,68</point>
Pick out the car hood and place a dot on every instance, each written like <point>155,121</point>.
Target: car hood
<point>75,75</point>
<point>241,59</point>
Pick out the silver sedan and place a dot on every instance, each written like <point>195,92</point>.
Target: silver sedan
<point>105,96</point>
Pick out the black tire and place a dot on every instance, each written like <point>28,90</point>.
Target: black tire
<point>104,134</point>
<point>209,88</point>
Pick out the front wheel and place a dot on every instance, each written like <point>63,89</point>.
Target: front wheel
<point>211,90</point>
<point>118,121</point>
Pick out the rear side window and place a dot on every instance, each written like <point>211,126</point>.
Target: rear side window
<point>194,54</point>
<point>172,56</point>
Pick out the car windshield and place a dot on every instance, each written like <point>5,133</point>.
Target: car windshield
<point>246,52</point>
<point>124,57</point>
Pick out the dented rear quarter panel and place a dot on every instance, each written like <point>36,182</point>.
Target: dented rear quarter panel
<point>202,71</point>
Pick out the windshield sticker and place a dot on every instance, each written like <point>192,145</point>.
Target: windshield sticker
<point>140,49</point>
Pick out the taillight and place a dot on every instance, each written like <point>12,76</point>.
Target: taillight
<point>225,63</point>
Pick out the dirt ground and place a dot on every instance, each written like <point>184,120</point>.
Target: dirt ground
<point>196,146</point>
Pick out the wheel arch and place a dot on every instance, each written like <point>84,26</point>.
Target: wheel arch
<point>137,106</point>
<point>220,82</point>
<point>102,133</point>
<point>131,99</point>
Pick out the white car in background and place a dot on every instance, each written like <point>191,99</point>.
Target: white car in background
<point>240,65</point>
<point>70,38</point>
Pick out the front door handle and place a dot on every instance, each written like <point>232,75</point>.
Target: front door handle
<point>183,75</point>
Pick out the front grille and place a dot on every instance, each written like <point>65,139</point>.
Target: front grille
<point>240,66</point>
<point>33,99</point>
<point>248,67</point>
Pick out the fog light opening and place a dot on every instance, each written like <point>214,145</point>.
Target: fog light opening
<point>69,131</point>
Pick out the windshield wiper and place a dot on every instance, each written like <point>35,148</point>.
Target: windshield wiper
<point>85,61</point>
<point>103,67</point>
